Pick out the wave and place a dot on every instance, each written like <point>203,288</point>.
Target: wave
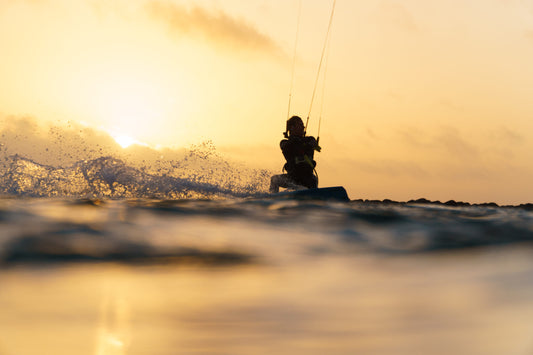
<point>110,177</point>
<point>245,231</point>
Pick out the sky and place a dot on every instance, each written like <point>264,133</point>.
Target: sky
<point>420,98</point>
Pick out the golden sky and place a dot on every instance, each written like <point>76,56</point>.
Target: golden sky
<point>422,99</point>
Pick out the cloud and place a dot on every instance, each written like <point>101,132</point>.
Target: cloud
<point>452,142</point>
<point>507,136</point>
<point>216,27</point>
<point>52,145</point>
<point>67,143</point>
<point>451,105</point>
<point>390,168</point>
<point>413,137</point>
<point>447,140</point>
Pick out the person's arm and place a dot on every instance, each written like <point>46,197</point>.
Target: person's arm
<point>286,149</point>
<point>314,144</point>
<point>317,147</point>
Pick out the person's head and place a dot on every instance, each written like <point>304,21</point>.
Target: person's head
<point>295,126</point>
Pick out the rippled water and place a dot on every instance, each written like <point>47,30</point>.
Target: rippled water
<point>254,276</point>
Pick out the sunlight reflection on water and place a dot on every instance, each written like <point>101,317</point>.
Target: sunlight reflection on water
<point>472,303</point>
<point>113,330</point>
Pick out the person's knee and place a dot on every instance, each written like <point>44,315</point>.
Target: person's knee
<point>274,184</point>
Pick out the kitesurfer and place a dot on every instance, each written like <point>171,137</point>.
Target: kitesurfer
<point>298,150</point>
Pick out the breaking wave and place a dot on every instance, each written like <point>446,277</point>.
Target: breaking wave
<point>110,177</point>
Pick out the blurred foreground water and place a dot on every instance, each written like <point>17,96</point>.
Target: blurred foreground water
<point>245,276</point>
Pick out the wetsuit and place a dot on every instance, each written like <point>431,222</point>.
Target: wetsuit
<point>299,153</point>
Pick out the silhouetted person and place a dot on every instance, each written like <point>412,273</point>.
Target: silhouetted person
<point>298,151</point>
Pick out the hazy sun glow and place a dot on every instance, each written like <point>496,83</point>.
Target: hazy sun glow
<point>125,141</point>
<point>130,105</point>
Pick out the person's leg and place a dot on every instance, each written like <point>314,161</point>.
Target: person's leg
<point>314,182</point>
<point>286,182</point>
<point>278,181</point>
<point>308,181</point>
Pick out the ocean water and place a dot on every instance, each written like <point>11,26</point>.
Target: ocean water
<point>103,257</point>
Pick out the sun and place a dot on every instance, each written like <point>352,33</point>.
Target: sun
<point>125,141</point>
<point>130,106</point>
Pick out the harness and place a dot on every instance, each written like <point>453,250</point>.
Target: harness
<point>303,158</point>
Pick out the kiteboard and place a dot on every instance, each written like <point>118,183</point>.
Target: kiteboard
<point>336,193</point>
